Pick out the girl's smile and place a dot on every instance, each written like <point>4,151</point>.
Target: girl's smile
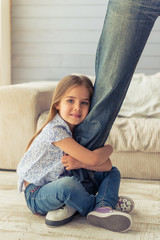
<point>76,115</point>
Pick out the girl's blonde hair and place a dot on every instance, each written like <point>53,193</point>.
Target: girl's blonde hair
<point>65,84</point>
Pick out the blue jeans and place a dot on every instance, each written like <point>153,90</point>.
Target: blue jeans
<point>69,191</point>
<point>126,28</point>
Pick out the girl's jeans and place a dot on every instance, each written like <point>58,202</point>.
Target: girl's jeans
<point>126,29</point>
<point>69,191</point>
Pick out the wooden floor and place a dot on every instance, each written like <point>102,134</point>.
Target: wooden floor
<point>18,223</point>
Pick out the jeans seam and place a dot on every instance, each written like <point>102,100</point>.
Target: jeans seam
<point>103,202</point>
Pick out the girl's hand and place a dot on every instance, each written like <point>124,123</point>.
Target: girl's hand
<point>70,163</point>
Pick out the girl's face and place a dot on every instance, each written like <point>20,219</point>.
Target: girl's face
<point>74,105</point>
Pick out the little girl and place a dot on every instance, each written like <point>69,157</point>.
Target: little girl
<point>44,171</point>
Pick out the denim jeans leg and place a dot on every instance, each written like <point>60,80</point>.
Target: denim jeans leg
<point>66,190</point>
<point>126,29</point>
<point>109,183</point>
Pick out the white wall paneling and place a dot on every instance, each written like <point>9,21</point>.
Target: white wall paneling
<point>53,38</point>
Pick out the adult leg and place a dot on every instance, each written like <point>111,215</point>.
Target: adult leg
<point>126,29</point>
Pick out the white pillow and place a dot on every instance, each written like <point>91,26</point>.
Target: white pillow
<point>143,97</point>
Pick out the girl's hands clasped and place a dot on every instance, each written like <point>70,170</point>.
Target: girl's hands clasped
<point>70,163</point>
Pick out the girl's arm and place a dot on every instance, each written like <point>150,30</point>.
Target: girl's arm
<point>105,167</point>
<point>70,163</point>
<point>82,154</point>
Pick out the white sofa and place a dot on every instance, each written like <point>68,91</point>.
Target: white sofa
<point>134,136</point>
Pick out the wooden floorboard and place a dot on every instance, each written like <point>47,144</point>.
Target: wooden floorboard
<point>18,223</point>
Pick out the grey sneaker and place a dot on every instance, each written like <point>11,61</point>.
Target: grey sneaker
<point>124,204</point>
<point>110,219</point>
<point>60,216</point>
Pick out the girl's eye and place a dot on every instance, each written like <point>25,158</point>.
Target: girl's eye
<point>85,103</point>
<point>70,100</point>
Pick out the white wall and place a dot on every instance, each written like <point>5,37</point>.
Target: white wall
<point>53,38</point>
<point>5,43</point>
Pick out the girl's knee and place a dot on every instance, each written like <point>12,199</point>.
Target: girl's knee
<point>116,171</point>
<point>68,183</point>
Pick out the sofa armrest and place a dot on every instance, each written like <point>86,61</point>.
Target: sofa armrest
<point>20,107</point>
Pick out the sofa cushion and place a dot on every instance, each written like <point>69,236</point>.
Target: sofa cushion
<point>135,134</point>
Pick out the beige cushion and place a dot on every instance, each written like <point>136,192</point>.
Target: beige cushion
<point>135,134</point>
